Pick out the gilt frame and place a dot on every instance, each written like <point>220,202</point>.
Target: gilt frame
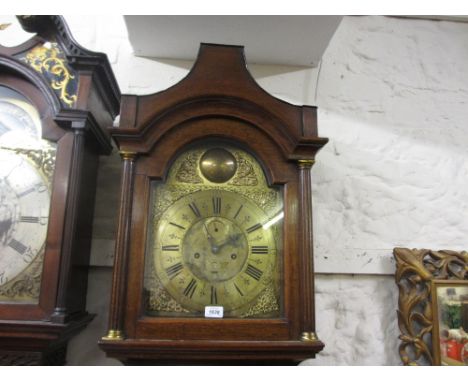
<point>415,273</point>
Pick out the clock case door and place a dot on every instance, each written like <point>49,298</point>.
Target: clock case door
<point>218,101</point>
<point>74,116</point>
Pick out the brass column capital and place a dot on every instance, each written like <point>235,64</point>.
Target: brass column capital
<point>128,155</point>
<point>306,163</point>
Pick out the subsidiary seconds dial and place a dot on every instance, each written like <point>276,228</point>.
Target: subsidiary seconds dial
<point>212,249</point>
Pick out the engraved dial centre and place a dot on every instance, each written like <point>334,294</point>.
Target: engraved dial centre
<point>215,249</point>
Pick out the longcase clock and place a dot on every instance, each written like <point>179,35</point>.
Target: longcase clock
<point>56,101</point>
<point>213,261</point>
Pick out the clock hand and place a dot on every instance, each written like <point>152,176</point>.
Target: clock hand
<point>232,240</point>
<point>214,248</point>
<point>210,238</point>
<point>5,216</point>
<point>5,226</point>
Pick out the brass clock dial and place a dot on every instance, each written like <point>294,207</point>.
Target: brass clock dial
<point>212,238</point>
<point>213,250</point>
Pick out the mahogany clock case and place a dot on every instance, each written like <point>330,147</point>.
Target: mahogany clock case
<point>77,98</point>
<point>220,104</point>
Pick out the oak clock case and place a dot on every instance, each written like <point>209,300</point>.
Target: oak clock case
<point>215,214</point>
<point>214,237</point>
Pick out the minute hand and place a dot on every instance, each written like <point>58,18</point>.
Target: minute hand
<point>210,238</point>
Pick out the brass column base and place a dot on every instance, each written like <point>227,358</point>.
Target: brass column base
<point>115,335</point>
<point>309,336</point>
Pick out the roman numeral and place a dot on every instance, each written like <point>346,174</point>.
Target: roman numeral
<point>254,228</point>
<point>195,209</point>
<point>259,250</point>
<point>174,247</point>
<point>29,219</point>
<point>239,210</point>
<point>190,288</point>
<point>176,225</point>
<point>253,272</point>
<point>17,246</point>
<point>214,296</point>
<point>174,270</point>
<point>238,289</point>
<point>216,205</point>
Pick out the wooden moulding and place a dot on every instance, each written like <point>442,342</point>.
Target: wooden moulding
<point>217,102</point>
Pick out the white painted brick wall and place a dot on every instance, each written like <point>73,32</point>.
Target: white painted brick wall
<point>392,96</point>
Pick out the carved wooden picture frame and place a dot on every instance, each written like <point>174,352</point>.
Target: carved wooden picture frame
<point>417,270</point>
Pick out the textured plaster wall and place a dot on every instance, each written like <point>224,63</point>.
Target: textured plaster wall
<point>356,320</point>
<point>392,97</point>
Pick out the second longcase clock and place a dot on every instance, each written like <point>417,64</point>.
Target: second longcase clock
<point>56,99</point>
<point>214,257</point>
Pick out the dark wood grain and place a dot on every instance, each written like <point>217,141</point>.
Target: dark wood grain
<point>152,352</point>
<point>38,333</point>
<point>218,101</point>
<point>306,240</point>
<point>119,277</point>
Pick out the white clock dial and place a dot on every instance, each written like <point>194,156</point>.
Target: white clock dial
<point>24,211</point>
<point>20,124</point>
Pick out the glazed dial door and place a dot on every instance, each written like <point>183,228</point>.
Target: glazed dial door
<point>26,168</point>
<point>214,237</point>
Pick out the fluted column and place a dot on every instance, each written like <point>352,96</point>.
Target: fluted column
<point>307,251</point>
<point>119,278</point>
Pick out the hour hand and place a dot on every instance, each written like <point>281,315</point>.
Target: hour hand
<point>231,240</point>
<point>5,226</point>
